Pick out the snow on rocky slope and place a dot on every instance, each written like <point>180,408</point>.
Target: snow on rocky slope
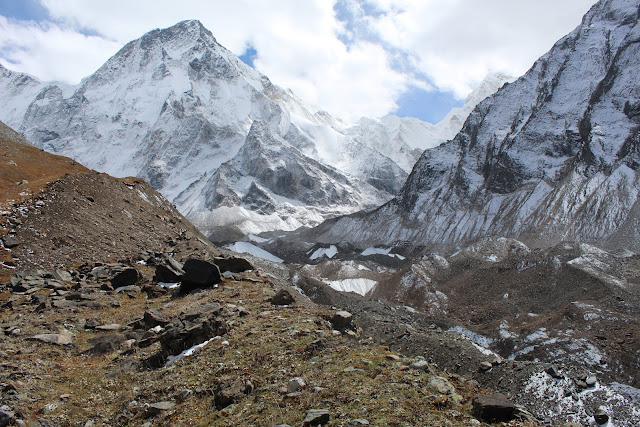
<point>236,153</point>
<point>552,156</point>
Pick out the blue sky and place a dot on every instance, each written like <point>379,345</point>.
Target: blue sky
<point>351,57</point>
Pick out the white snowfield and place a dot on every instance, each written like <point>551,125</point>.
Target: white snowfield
<point>549,157</point>
<point>251,249</point>
<point>217,138</point>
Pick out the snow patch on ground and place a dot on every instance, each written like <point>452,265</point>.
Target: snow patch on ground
<point>251,249</point>
<point>381,251</point>
<point>617,400</point>
<point>481,342</point>
<point>330,252</point>
<point>189,351</point>
<point>358,285</point>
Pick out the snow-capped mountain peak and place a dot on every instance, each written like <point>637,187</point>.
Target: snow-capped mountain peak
<point>180,110</point>
<point>552,156</point>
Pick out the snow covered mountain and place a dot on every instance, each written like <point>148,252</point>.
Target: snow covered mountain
<point>552,156</point>
<point>403,139</point>
<point>236,153</point>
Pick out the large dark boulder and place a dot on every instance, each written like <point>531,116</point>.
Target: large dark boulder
<point>168,271</point>
<point>199,274</point>
<point>493,408</point>
<point>126,277</point>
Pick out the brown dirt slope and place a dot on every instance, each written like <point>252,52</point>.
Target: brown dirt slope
<point>61,214</point>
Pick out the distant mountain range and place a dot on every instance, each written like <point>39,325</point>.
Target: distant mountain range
<point>234,152</point>
<point>553,156</point>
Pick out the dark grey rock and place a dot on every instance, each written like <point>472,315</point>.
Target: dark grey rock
<point>9,242</point>
<point>199,274</point>
<point>316,417</point>
<point>230,392</point>
<point>282,297</point>
<point>233,264</point>
<point>493,408</point>
<point>168,271</point>
<point>192,328</point>
<point>7,416</point>
<point>341,320</point>
<point>125,277</point>
<point>554,372</point>
<point>106,343</point>
<point>153,318</point>
<point>156,408</point>
<point>295,384</point>
<point>601,417</point>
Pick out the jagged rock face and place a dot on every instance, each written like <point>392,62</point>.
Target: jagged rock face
<point>551,156</point>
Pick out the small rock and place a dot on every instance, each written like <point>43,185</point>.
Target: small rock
<point>227,393</point>
<point>316,417</point>
<point>48,408</point>
<point>441,385</point>
<point>601,417</point>
<point>62,275</point>
<point>63,338</point>
<point>554,372</point>
<point>485,366</point>
<point>7,416</point>
<point>129,289</point>
<point>106,343</point>
<point>358,422</point>
<point>155,408</point>
<point>420,364</point>
<point>493,408</point>
<point>392,356</point>
<point>581,384</point>
<point>184,395</point>
<point>591,381</point>
<point>282,297</point>
<point>341,320</point>
<point>295,384</point>
<point>109,327</point>
<point>154,318</point>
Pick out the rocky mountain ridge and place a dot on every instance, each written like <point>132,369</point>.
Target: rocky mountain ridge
<point>552,156</point>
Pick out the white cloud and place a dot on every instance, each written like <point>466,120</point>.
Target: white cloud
<point>453,43</point>
<point>50,52</point>
<point>457,42</point>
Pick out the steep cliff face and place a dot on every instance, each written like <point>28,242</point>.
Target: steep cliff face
<point>551,156</point>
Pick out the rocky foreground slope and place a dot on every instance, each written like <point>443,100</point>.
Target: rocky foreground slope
<point>94,330</point>
<point>552,156</point>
